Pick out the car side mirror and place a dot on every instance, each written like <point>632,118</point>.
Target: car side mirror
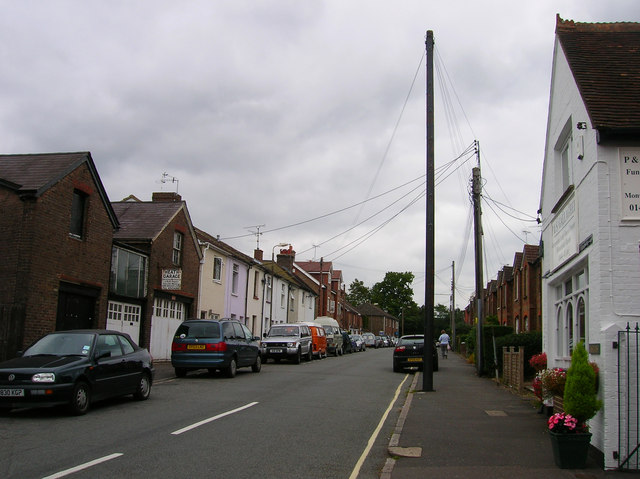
<point>256,338</point>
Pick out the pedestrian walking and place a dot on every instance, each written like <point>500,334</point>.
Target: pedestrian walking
<point>444,343</point>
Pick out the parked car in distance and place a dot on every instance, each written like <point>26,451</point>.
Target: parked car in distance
<point>409,353</point>
<point>333,332</point>
<point>214,344</point>
<point>347,343</point>
<point>379,342</point>
<point>318,340</point>
<point>288,341</point>
<point>369,340</point>
<point>358,342</point>
<point>76,368</point>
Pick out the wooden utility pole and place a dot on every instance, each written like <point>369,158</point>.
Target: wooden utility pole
<point>427,374</point>
<point>477,217</point>
<point>453,303</point>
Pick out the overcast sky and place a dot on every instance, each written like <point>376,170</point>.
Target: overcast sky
<point>280,112</point>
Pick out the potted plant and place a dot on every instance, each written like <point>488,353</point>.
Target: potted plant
<point>569,432</point>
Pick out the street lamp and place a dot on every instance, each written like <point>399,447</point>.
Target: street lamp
<point>279,245</point>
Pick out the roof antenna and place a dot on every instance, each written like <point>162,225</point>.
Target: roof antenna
<point>166,178</point>
<point>257,233</point>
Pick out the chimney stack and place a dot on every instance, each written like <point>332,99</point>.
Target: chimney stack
<point>257,254</point>
<point>285,258</point>
<point>166,197</point>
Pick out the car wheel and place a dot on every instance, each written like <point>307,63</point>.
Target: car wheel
<point>144,388</point>
<point>181,372</point>
<point>257,366</point>
<point>396,368</point>
<point>232,369</point>
<point>80,398</point>
<point>310,355</point>
<point>297,359</point>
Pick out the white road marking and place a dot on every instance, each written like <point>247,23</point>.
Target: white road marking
<point>372,439</point>
<point>86,465</point>
<point>205,421</point>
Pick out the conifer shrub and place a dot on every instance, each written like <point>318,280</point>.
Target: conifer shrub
<point>580,395</point>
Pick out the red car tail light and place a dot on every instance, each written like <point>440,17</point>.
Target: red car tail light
<point>221,346</point>
<point>178,347</point>
<point>400,349</point>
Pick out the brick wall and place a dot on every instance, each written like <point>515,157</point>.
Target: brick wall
<point>47,254</point>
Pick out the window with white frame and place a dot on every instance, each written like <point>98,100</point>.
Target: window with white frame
<point>282,296</point>
<point>571,312</point>
<point>267,279</point>
<point>177,247</point>
<point>168,309</point>
<point>125,312</point>
<point>256,284</point>
<point>234,279</point>
<point>217,268</point>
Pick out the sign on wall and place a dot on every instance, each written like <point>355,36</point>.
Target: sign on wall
<point>564,234</point>
<point>630,183</point>
<point>172,279</point>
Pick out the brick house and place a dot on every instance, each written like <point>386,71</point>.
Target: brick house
<point>590,213</point>
<point>57,225</point>
<point>527,280</point>
<point>505,296</point>
<point>378,321</point>
<point>162,230</point>
<point>331,294</point>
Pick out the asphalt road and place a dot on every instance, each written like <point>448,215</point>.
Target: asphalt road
<point>312,420</point>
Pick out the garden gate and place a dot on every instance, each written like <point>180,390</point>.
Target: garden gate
<point>629,398</point>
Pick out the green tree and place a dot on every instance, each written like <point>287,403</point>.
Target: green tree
<point>358,293</point>
<point>394,292</point>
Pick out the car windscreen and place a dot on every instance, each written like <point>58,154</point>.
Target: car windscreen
<point>411,341</point>
<point>283,331</point>
<point>61,344</point>
<point>199,330</point>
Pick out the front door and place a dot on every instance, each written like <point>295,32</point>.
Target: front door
<point>75,311</point>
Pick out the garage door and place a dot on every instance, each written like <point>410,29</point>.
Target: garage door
<point>125,318</point>
<point>167,316</point>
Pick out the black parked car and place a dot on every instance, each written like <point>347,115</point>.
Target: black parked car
<point>347,345</point>
<point>76,368</point>
<point>223,344</point>
<point>409,352</point>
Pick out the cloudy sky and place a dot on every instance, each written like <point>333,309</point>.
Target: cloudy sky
<point>301,119</point>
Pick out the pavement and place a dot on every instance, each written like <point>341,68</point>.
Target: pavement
<point>471,427</point>
<point>467,427</point>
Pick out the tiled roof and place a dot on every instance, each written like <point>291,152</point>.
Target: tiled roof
<point>314,266</point>
<point>230,250</point>
<point>368,309</point>
<point>531,253</point>
<point>517,260</point>
<point>605,62</point>
<point>33,174</point>
<point>143,220</point>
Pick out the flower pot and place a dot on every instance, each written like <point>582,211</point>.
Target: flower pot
<point>570,450</point>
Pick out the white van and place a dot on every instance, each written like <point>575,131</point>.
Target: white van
<point>334,335</point>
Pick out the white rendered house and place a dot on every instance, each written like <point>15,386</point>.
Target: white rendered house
<point>590,211</point>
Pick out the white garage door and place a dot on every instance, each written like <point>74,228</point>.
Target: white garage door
<point>167,316</point>
<point>125,318</point>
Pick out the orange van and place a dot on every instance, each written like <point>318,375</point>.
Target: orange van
<point>319,341</point>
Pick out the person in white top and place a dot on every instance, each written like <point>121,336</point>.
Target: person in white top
<point>444,343</point>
